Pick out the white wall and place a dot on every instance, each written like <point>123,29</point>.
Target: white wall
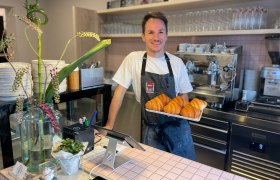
<point>55,34</point>
<point>60,27</point>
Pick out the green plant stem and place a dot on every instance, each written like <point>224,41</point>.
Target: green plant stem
<point>40,97</point>
<point>65,48</point>
<point>28,40</point>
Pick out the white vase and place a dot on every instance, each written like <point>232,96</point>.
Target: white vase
<point>71,165</point>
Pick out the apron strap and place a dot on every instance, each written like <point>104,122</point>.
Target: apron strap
<point>167,61</point>
<point>168,64</point>
<point>144,64</point>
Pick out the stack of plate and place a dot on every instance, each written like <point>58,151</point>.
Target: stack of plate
<point>46,76</point>
<point>7,77</point>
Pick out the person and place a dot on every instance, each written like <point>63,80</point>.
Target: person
<point>151,73</point>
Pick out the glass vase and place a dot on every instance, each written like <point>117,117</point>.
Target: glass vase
<point>37,134</point>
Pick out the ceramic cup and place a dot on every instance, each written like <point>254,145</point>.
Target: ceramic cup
<point>183,47</point>
<point>249,95</point>
<point>199,50</point>
<point>190,49</point>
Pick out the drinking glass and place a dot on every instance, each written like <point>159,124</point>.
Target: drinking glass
<point>261,17</point>
<point>254,18</point>
<point>48,170</point>
<point>212,20</point>
<point>189,21</point>
<point>172,22</point>
<point>196,21</point>
<point>179,23</point>
<point>204,21</point>
<point>235,19</point>
<point>228,18</point>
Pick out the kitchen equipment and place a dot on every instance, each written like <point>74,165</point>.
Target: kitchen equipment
<point>265,107</point>
<point>270,81</point>
<point>267,104</point>
<point>273,48</point>
<point>241,105</point>
<point>251,79</point>
<point>216,77</point>
<point>79,132</point>
<point>254,152</point>
<point>91,77</point>
<point>210,137</point>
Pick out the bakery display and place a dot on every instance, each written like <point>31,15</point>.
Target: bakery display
<point>154,104</point>
<point>177,107</point>
<point>158,102</point>
<point>190,111</point>
<point>199,104</point>
<point>180,101</point>
<point>172,108</point>
<point>164,98</point>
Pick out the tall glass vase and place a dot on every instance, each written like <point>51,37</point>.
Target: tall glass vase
<point>37,132</point>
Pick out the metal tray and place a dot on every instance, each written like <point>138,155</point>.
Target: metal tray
<point>177,116</point>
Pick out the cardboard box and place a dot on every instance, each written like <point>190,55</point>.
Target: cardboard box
<point>91,77</point>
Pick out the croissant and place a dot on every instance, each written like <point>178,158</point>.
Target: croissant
<point>164,98</point>
<point>180,101</point>
<point>190,111</point>
<point>199,104</point>
<point>154,104</point>
<point>172,108</point>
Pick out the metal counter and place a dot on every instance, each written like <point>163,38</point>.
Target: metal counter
<point>252,144</point>
<point>239,117</point>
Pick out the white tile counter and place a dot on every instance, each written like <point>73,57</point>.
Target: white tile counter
<point>154,164</point>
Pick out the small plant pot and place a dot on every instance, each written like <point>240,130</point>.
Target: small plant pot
<point>71,165</point>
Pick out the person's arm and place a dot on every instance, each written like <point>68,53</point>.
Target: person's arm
<point>115,106</point>
<point>184,96</point>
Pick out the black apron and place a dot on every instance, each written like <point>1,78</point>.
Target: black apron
<point>163,132</point>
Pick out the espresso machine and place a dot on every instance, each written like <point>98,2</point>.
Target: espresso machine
<point>267,104</point>
<point>215,77</point>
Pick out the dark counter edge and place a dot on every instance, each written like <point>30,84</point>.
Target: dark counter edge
<point>241,118</point>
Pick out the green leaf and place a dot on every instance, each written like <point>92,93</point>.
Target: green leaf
<point>66,71</point>
<point>71,146</point>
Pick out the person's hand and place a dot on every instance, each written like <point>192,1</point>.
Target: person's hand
<point>108,127</point>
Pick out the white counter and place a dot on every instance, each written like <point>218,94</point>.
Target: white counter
<point>152,164</point>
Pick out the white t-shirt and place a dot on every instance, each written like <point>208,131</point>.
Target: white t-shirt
<point>130,72</point>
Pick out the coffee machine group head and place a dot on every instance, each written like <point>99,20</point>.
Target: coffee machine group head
<point>213,72</point>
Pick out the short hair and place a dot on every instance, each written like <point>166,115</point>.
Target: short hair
<point>156,15</point>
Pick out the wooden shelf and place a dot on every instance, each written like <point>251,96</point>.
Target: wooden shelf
<point>186,5</point>
<point>170,6</point>
<point>208,33</point>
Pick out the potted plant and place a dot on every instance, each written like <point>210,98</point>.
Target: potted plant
<point>41,111</point>
<point>68,152</point>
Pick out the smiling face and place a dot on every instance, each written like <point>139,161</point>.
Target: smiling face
<point>155,36</point>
